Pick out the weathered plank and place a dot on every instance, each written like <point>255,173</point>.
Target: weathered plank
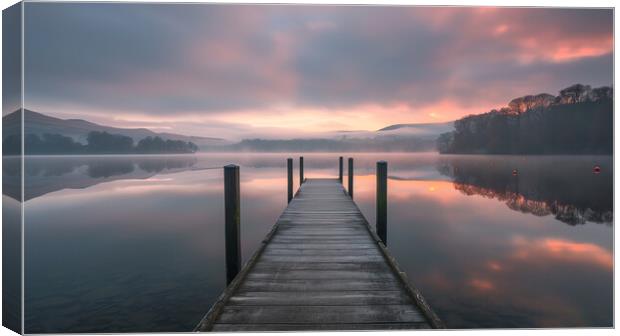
<point>318,298</point>
<point>270,251</point>
<point>321,268</point>
<point>285,274</point>
<point>322,258</point>
<point>323,246</point>
<point>224,327</point>
<point>288,285</point>
<point>378,266</point>
<point>321,314</point>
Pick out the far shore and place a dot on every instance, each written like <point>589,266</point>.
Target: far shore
<point>292,153</point>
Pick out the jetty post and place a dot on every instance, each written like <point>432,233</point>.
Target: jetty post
<point>289,170</point>
<point>351,178</point>
<point>232,219</point>
<point>301,170</point>
<point>340,168</point>
<point>382,201</point>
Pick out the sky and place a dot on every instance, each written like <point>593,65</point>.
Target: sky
<point>277,71</point>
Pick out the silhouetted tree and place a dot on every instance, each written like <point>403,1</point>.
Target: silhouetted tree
<point>104,142</point>
<point>575,128</point>
<point>12,145</point>
<point>159,145</point>
<point>51,144</point>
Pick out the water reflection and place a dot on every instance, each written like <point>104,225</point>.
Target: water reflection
<point>136,243</point>
<point>481,263</point>
<point>48,174</point>
<point>132,244</point>
<point>564,187</point>
<point>11,246</point>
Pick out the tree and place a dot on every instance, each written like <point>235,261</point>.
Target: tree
<point>104,142</point>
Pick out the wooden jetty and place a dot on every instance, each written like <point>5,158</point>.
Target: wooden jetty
<point>321,267</point>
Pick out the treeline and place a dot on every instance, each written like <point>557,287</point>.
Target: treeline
<point>97,143</point>
<point>579,121</point>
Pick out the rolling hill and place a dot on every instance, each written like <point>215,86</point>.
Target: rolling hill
<point>78,129</point>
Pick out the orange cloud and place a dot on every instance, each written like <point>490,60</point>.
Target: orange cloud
<point>481,284</point>
<point>564,50</point>
<point>501,29</point>
<point>495,266</point>
<point>563,250</point>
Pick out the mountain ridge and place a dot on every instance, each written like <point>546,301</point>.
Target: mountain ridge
<point>415,125</point>
<point>78,129</point>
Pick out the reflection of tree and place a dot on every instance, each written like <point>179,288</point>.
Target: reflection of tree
<point>158,165</point>
<point>11,177</point>
<point>563,187</point>
<point>47,174</point>
<point>107,169</point>
<point>569,214</point>
<point>54,168</point>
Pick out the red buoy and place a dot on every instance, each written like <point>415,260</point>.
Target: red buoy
<point>515,172</point>
<point>596,170</point>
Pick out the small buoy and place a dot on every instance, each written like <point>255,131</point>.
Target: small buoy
<point>596,170</point>
<point>515,172</point>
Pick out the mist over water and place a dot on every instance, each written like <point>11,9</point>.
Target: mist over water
<point>135,243</point>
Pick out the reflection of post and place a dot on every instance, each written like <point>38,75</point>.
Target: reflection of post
<point>232,217</point>
<point>301,170</point>
<point>289,169</point>
<point>340,164</point>
<point>382,200</point>
<point>351,177</point>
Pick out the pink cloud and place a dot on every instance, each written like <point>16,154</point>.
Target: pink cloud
<point>562,250</point>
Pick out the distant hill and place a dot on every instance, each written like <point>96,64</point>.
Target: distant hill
<point>394,138</point>
<point>78,129</point>
<point>577,121</point>
<point>425,128</point>
<point>377,144</point>
<point>419,131</point>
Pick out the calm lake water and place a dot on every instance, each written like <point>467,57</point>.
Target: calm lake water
<point>134,243</point>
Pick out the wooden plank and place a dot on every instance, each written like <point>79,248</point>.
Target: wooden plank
<point>359,326</point>
<point>321,235</point>
<point>320,314</point>
<point>326,230</point>
<point>271,251</point>
<point>378,266</point>
<point>323,246</point>
<point>251,285</point>
<point>285,274</point>
<point>314,298</point>
<point>322,258</point>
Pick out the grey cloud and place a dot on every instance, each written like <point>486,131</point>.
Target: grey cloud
<point>98,54</point>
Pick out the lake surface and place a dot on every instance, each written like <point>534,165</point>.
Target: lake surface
<point>135,243</point>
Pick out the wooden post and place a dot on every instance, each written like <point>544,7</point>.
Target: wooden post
<point>382,201</point>
<point>289,169</point>
<point>340,168</point>
<point>351,178</point>
<point>232,217</point>
<point>301,170</point>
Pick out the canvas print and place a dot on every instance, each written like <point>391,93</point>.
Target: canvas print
<point>179,167</point>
